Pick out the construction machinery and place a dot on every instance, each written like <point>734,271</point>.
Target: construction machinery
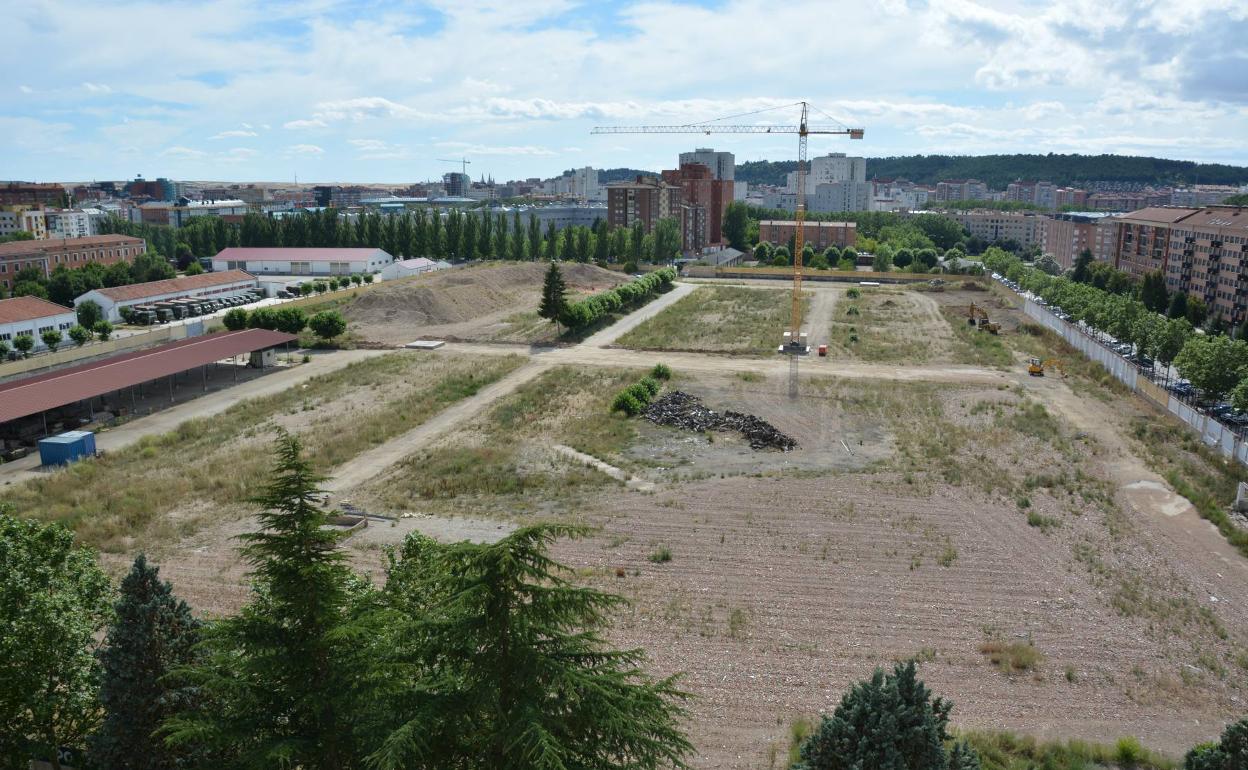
<point>794,343</point>
<point>1035,367</point>
<point>977,316</point>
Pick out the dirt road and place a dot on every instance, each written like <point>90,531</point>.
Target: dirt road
<point>818,321</point>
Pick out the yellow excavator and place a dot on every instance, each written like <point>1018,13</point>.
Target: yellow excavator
<point>977,316</point>
<point>1035,367</point>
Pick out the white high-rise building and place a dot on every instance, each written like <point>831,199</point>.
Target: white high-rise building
<point>723,165</point>
<point>585,184</point>
<point>826,169</point>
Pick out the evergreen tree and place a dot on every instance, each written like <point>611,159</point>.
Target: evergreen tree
<point>1178,305</point>
<point>1229,753</point>
<point>552,241</point>
<point>152,632</point>
<point>518,674</point>
<point>1082,263</point>
<point>517,237</point>
<point>501,247</point>
<point>636,241</point>
<point>890,721</point>
<point>554,295</point>
<point>287,678</point>
<point>469,236</point>
<point>602,242</point>
<point>1153,291</point>
<point>535,238</point>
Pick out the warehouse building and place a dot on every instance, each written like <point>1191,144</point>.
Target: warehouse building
<point>111,300</point>
<point>33,316</point>
<point>297,261</point>
<point>406,268</point>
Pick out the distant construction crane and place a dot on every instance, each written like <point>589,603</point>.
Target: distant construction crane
<point>794,345</point>
<point>462,161</point>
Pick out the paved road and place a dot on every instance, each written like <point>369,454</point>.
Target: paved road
<point>166,420</point>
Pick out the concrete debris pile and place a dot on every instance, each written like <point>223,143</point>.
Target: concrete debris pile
<point>682,410</point>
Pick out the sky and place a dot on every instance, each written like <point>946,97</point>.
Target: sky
<point>388,91</point>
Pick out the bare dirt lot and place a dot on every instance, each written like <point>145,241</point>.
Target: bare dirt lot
<point>494,302</point>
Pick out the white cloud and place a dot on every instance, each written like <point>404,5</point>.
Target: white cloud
<point>234,134</point>
<point>310,150</point>
<point>301,124</point>
<point>97,88</point>
<point>26,89</point>
<point>183,153</point>
<point>485,149</point>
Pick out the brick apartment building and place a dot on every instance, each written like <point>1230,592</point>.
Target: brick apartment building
<point>34,193</point>
<point>961,190</point>
<point>647,199</point>
<point>47,255</point>
<point>700,188</point>
<point>1065,236</point>
<point>819,235</point>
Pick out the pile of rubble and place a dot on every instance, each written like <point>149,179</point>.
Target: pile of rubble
<point>681,410</point>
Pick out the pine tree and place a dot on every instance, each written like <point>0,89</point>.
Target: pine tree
<point>554,295</point>
<point>289,677</point>
<point>535,238</point>
<point>152,632</point>
<point>515,672</point>
<point>888,721</point>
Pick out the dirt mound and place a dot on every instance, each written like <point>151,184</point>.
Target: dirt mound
<point>456,296</point>
<point>681,410</point>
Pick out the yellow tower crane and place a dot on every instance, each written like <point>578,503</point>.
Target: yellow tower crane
<point>793,345</point>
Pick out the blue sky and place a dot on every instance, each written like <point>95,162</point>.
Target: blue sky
<point>379,91</point>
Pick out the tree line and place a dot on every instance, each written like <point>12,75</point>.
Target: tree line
<point>455,235</point>
<point>466,657</point>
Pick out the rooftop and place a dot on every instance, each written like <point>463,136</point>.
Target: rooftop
<point>285,254</point>
<point>27,247</point>
<point>20,309</point>
<point>174,285</point>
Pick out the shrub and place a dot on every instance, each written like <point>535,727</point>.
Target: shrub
<point>327,324</point>
<point>661,556</point>
<point>103,330</point>
<point>24,343</point>
<point>853,294</point>
<point>80,335</point>
<point>306,288</point>
<point>321,287</point>
<point>235,319</point>
<point>661,372</point>
<point>627,403</point>
<point>368,278</point>
<point>52,338</point>
<point>126,312</point>
<point>853,310</point>
<point>4,349</point>
<point>1128,752</point>
<point>263,318</point>
<point>588,311</point>
<point>651,385</point>
<point>640,392</point>
<point>356,279</point>
<point>291,320</point>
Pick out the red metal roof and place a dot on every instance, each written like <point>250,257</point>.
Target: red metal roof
<point>32,395</point>
<point>296,254</point>
<point>18,309</point>
<point>174,285</point>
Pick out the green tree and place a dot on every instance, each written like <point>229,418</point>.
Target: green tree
<point>235,319</point>
<point>1153,291</point>
<point>666,240</point>
<point>1082,263</point>
<point>1213,364</point>
<point>889,721</point>
<point>736,225</point>
<point>1178,305</point>
<point>89,313</point>
<point>780,256</point>
<point>24,343</point>
<point>944,233</point>
<point>103,330</point>
<point>284,682</point>
<point>194,269</point>
<point>152,633</point>
<point>54,604</point>
<point>1197,311</point>
<point>52,338</point>
<point>520,675</point>
<point>327,324</point>
<point>292,320</point>
<point>554,295</point>
<point>30,289</point>
<point>902,258</point>
<point>1229,753</point>
<point>80,335</point>
<point>882,261</point>
<point>762,253</point>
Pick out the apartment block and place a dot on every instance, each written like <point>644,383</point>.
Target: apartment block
<point>47,255</point>
<point>961,190</point>
<point>1065,236</point>
<point>32,193</point>
<point>647,199</point>
<point>183,211</point>
<point>1208,258</point>
<point>820,235</point>
<point>723,165</point>
<point>699,188</point>
<point>1144,240</point>
<point>993,226</point>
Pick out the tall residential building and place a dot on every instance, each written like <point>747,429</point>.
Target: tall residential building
<point>1202,195</point>
<point>647,199</point>
<point>1202,252</point>
<point>961,190</point>
<point>456,184</point>
<point>1042,194</point>
<point>723,165</point>
<point>1070,196</point>
<point>833,167</point>
<point>32,193</point>
<point>162,189</point>
<point>1065,236</point>
<point>840,196</point>
<point>700,188</point>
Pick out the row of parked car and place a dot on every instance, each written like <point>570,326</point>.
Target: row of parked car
<point>1222,411</point>
<point>189,307</point>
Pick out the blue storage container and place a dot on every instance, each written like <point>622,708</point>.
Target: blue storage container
<point>67,447</point>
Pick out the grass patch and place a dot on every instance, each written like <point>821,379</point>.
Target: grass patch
<point>1011,657</point>
<point>881,326</point>
<point>1009,751</point>
<point>722,319</point>
<point>661,556</point>
<point>972,346</point>
<point>122,497</point>
<point>1042,522</point>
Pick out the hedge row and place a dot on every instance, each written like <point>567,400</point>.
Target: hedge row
<point>636,397</point>
<point>588,311</point>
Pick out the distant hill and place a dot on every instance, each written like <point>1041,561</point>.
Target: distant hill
<point>1000,170</point>
<point>608,175</point>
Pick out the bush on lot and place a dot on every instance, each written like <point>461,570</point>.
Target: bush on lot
<point>263,318</point>
<point>24,344</point>
<point>103,330</point>
<point>627,403</point>
<point>853,294</point>
<point>235,319</point>
<point>356,279</point>
<point>651,385</point>
<point>52,338</point>
<point>578,315</point>
<point>291,320</point>
<point>661,372</point>
<point>79,335</point>
<point>328,324</point>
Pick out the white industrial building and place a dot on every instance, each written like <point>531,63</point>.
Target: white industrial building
<point>723,165</point>
<point>215,285</point>
<point>296,261</point>
<point>406,268</point>
<point>826,169</point>
<point>33,316</point>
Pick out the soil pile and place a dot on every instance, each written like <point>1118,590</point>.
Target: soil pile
<point>463,294</point>
<point>682,410</point>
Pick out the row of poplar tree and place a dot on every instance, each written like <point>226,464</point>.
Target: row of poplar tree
<point>456,235</point>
